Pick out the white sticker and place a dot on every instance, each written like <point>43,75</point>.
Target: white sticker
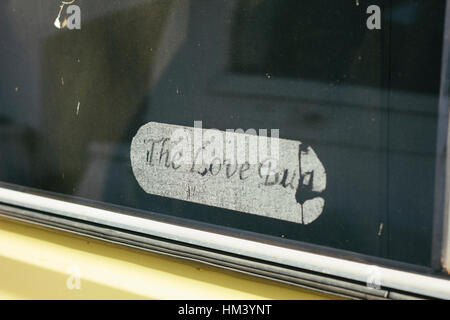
<point>266,176</point>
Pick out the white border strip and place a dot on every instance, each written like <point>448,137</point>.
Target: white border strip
<point>444,121</point>
<point>400,280</point>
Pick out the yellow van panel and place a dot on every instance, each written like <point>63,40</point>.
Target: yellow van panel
<point>41,263</point>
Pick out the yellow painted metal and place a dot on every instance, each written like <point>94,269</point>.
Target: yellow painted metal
<point>40,263</point>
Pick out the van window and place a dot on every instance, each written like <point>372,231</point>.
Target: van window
<point>350,93</point>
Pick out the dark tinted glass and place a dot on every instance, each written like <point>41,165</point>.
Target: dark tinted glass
<point>71,102</point>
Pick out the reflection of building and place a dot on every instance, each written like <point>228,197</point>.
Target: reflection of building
<point>365,100</point>
<point>305,39</point>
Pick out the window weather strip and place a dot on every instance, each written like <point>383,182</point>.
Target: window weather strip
<point>391,278</point>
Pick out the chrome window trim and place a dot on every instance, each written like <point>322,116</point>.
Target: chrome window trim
<point>356,271</point>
